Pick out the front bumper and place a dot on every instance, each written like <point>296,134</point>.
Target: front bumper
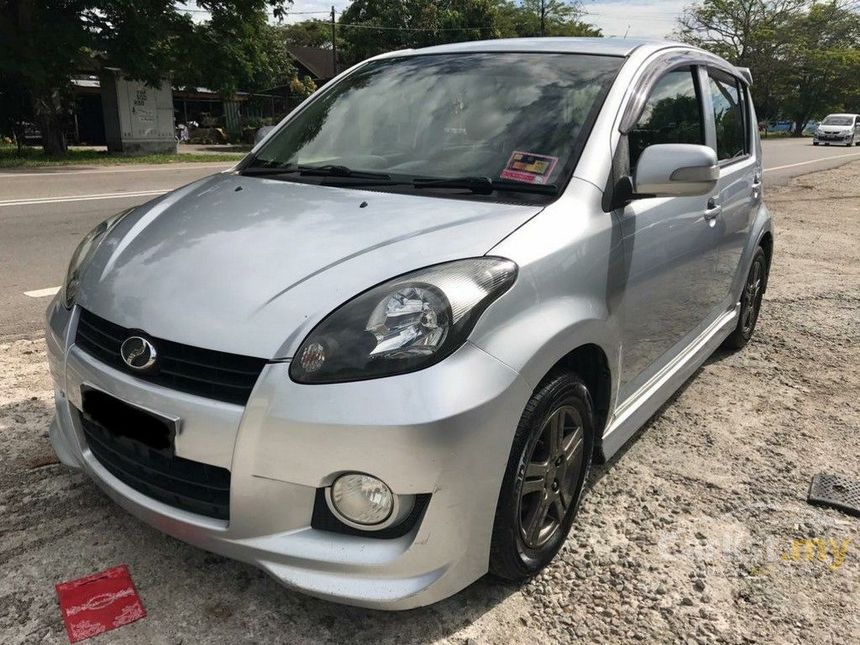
<point>833,138</point>
<point>446,431</point>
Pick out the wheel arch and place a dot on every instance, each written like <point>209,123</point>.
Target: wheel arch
<point>590,362</point>
<point>766,243</point>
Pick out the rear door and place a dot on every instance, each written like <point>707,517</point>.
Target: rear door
<point>739,188</point>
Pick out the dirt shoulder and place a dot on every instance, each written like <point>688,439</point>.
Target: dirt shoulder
<point>696,533</point>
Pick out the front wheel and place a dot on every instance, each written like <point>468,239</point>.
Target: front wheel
<point>547,467</point>
<point>750,302</point>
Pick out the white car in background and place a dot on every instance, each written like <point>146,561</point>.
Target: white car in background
<point>838,128</point>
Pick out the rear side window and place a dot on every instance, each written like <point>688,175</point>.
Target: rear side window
<point>730,112</point>
<point>672,114</point>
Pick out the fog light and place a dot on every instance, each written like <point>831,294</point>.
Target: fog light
<point>361,499</point>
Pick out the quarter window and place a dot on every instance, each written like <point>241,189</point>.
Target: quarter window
<point>672,114</point>
<point>727,96</point>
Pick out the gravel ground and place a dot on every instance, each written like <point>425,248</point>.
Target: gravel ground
<point>695,533</point>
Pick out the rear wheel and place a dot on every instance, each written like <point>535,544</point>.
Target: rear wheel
<point>750,302</point>
<point>549,461</point>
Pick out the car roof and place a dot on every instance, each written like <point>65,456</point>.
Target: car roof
<point>596,46</point>
<point>840,114</point>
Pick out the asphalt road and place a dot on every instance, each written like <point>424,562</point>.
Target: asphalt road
<point>45,212</point>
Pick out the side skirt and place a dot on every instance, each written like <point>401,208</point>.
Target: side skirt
<point>630,415</point>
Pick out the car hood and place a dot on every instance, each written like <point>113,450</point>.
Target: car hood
<point>836,128</point>
<point>249,265</point>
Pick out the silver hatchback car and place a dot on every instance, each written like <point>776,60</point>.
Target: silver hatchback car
<point>377,358</point>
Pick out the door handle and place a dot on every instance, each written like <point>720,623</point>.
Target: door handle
<point>756,183</point>
<point>713,210</point>
<point>757,179</point>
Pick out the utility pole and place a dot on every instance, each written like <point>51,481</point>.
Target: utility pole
<point>333,43</point>
<point>542,18</point>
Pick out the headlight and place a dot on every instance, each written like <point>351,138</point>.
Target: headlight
<point>82,255</point>
<point>402,325</point>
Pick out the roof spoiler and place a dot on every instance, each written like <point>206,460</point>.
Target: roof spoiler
<point>746,73</point>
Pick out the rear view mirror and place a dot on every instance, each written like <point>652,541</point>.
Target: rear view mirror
<point>676,170</point>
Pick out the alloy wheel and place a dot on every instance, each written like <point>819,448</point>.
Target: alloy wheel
<point>552,472</point>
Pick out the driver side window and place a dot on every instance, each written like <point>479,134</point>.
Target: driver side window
<point>672,114</point>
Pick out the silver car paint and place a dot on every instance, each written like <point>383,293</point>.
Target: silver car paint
<point>655,286</point>
<point>249,265</point>
<point>851,132</point>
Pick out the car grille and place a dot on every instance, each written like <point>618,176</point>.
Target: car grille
<point>182,483</point>
<point>204,372</point>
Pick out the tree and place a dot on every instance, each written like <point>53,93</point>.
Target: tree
<point>49,41</point>
<point>229,56</point>
<point>823,63</point>
<point>370,27</point>
<point>803,55</point>
<point>308,33</point>
<point>531,18</point>
<point>15,106</point>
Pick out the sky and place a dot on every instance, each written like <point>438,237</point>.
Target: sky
<point>637,18</point>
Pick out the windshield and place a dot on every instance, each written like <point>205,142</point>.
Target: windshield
<point>838,120</point>
<point>509,119</point>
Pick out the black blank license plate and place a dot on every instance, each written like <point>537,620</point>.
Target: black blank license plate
<point>128,421</point>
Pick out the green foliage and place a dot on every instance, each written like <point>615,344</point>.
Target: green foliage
<point>43,43</point>
<point>302,87</point>
<point>804,56</point>
<point>230,56</point>
<point>522,19</point>
<point>308,33</point>
<point>370,27</point>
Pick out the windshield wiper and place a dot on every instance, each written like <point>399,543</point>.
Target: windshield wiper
<point>485,185</point>
<point>269,168</point>
<point>333,170</point>
<point>328,170</point>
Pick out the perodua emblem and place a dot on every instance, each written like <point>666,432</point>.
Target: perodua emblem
<point>138,353</point>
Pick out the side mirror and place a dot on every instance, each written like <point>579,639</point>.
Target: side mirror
<point>676,170</point>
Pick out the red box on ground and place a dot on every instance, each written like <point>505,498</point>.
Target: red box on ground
<point>99,603</point>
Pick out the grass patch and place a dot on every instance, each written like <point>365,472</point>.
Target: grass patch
<point>35,158</point>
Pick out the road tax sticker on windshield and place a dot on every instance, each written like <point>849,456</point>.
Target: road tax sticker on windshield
<point>529,167</point>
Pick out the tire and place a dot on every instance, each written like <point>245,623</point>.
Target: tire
<point>815,143</point>
<point>751,296</point>
<point>540,494</point>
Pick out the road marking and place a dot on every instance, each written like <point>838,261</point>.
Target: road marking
<point>117,170</point>
<point>43,293</point>
<point>804,163</point>
<point>80,198</point>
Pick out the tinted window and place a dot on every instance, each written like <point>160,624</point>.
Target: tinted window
<point>516,116</point>
<point>837,120</point>
<point>672,114</point>
<point>729,115</point>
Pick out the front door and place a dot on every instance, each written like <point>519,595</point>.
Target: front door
<point>670,243</point>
